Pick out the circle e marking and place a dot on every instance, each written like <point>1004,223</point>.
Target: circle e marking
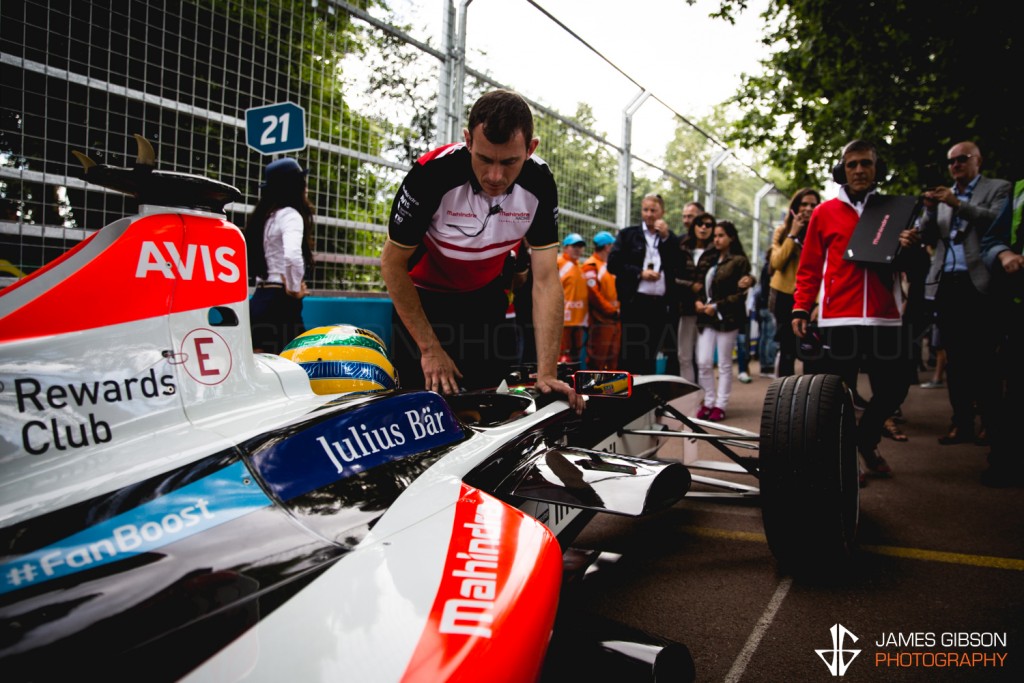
<point>207,356</point>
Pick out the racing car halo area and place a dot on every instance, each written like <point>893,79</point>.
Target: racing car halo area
<point>172,503</point>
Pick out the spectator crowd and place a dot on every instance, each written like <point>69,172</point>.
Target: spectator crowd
<point>473,242</point>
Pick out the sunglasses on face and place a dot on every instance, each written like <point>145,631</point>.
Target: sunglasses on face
<point>961,159</point>
<point>706,225</point>
<point>809,204</point>
<point>865,163</point>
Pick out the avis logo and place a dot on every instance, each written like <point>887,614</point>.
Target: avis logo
<point>839,663</point>
<point>198,261</point>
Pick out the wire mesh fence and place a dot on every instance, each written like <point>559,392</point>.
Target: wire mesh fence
<point>86,75</point>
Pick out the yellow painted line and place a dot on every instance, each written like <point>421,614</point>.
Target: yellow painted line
<point>951,558</point>
<point>725,533</point>
<point>987,561</point>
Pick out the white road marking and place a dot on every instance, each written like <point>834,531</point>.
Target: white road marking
<point>740,665</point>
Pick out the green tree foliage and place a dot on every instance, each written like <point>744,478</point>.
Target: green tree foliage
<point>584,169</point>
<point>915,77</point>
<point>687,159</point>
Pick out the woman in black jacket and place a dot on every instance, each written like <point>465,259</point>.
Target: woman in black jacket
<point>691,287</point>
<point>720,311</point>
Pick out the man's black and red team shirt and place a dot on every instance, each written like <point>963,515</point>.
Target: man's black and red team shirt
<point>463,239</point>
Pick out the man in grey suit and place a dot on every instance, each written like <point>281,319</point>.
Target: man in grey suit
<point>955,219</point>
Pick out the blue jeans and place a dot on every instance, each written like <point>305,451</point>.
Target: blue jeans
<point>743,347</point>
<point>767,347</point>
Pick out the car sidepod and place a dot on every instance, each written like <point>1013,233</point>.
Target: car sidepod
<point>467,593</point>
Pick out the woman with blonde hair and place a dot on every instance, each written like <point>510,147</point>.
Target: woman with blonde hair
<point>787,242</point>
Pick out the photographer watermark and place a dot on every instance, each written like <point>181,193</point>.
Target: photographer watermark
<point>949,649</point>
<point>962,650</point>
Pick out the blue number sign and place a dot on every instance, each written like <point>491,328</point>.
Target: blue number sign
<point>276,128</point>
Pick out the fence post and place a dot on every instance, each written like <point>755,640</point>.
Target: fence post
<point>445,123</point>
<point>625,189</point>
<point>459,90</point>
<point>711,187</point>
<point>761,194</point>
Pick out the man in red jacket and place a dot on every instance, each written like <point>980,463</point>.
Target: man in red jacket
<point>860,308</point>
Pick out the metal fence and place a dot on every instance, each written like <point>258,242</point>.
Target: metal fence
<point>86,75</point>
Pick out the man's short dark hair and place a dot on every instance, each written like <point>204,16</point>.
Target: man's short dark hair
<point>502,112</point>
<point>860,145</point>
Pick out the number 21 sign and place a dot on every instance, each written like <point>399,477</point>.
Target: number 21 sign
<point>276,128</point>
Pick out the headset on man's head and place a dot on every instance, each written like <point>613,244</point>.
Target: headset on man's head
<point>839,170</point>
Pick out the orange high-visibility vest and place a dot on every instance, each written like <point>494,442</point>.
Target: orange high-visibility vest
<point>574,289</point>
<point>604,298</point>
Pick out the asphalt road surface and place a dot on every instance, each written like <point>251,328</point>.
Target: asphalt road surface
<point>936,592</point>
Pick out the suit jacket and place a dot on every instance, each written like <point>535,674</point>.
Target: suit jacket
<point>626,260</point>
<point>988,198</point>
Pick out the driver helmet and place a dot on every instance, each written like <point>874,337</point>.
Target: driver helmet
<point>343,359</point>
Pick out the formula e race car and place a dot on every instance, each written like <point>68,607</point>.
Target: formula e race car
<point>174,504</point>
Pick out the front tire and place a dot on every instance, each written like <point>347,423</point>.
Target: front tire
<point>809,477</point>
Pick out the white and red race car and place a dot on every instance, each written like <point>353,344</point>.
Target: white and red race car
<point>172,503</point>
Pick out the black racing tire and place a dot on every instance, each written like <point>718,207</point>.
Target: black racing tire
<point>810,490</point>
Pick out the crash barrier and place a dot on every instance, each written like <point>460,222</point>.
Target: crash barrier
<point>373,314</point>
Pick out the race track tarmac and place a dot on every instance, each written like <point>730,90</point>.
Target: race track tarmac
<point>936,592</point>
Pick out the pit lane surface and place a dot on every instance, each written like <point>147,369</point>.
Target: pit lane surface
<point>941,555</point>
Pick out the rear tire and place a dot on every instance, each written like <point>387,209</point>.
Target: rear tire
<point>809,477</point>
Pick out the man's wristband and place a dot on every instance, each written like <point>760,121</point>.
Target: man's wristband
<point>801,315</point>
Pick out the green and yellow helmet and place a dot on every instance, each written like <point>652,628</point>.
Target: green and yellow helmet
<point>343,359</point>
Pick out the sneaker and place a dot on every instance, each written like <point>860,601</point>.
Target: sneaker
<point>932,384</point>
<point>876,463</point>
<point>745,378</point>
<point>717,415</point>
<point>703,413</point>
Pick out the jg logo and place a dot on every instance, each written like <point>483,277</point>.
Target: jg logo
<point>836,658</point>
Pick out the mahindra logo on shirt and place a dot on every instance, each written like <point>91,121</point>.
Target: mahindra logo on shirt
<point>200,262</point>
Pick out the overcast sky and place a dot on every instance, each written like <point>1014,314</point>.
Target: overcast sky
<point>649,40</point>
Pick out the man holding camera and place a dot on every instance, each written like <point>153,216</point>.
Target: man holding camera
<point>645,259</point>
<point>955,219</point>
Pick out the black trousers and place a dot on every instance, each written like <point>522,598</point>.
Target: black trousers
<point>645,331</point>
<point>782,309</point>
<point>1004,425</point>
<point>968,326</point>
<point>884,355</point>
<point>275,319</point>
<point>472,329</point>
